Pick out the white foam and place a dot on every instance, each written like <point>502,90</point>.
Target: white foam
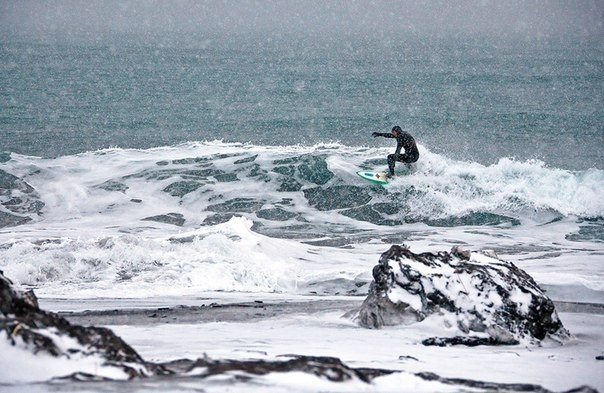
<point>226,257</point>
<point>95,243</point>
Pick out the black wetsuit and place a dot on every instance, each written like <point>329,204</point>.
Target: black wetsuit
<point>403,140</point>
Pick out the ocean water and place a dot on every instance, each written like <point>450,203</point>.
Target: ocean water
<point>165,169</point>
<point>470,99</point>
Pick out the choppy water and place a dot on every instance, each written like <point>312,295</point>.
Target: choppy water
<point>466,99</point>
<point>134,217</point>
<point>122,158</point>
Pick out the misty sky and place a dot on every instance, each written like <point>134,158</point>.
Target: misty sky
<point>370,17</point>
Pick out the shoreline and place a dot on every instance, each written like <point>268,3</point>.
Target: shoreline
<point>245,311</point>
<point>204,313</point>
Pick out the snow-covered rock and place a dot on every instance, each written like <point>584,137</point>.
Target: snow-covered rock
<point>49,346</point>
<point>476,296</point>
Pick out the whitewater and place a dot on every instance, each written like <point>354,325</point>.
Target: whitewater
<point>216,222</point>
<point>118,222</point>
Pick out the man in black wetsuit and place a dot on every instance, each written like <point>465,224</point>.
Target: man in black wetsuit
<point>403,140</point>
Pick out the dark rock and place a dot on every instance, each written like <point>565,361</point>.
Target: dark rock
<point>491,301</point>
<point>47,332</point>
<point>495,387</point>
<point>329,368</point>
<point>407,357</point>
<point>35,331</point>
<point>467,341</point>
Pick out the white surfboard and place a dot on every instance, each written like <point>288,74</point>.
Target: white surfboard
<point>377,177</point>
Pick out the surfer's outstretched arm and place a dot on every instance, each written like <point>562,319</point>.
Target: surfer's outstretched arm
<point>384,134</point>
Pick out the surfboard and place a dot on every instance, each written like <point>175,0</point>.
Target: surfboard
<point>377,177</point>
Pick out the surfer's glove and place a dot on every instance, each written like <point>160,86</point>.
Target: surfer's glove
<point>375,134</point>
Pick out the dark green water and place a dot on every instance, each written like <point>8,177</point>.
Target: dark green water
<point>471,100</point>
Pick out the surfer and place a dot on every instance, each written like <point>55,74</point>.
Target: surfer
<point>403,140</point>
